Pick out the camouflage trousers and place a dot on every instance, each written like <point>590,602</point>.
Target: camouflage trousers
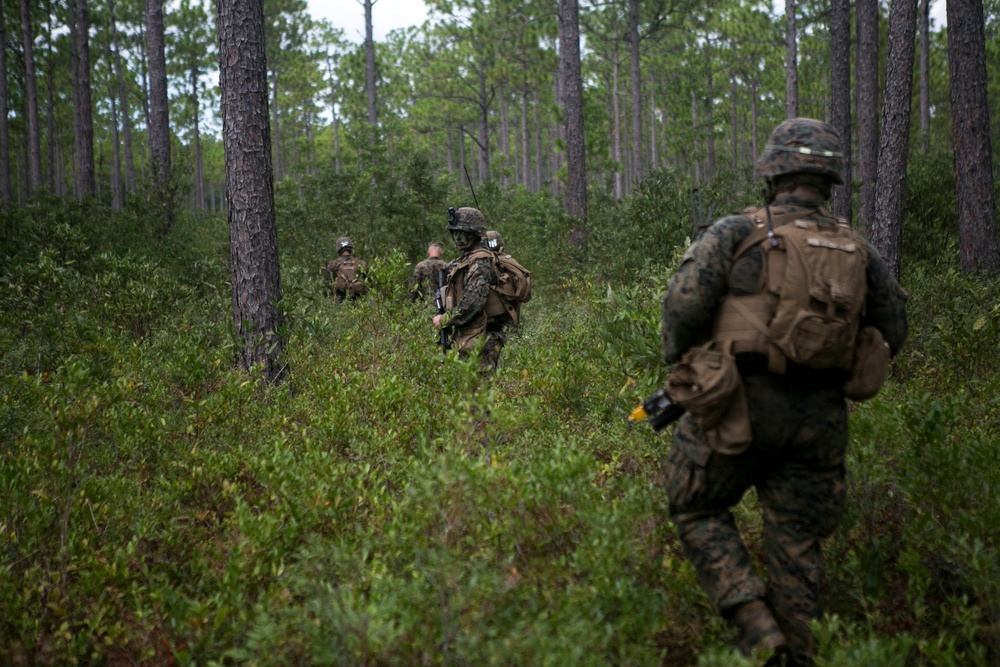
<point>796,464</point>
<point>489,352</point>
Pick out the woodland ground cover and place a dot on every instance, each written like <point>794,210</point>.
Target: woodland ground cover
<point>159,507</point>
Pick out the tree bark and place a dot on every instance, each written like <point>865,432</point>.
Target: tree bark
<point>978,243</point>
<point>709,116</point>
<point>199,167</point>
<point>126,123</point>
<point>633,37</point>
<point>84,178</point>
<point>483,129</point>
<point>370,69</point>
<point>116,164</point>
<point>159,114</point>
<point>253,237</point>
<point>791,63</point>
<point>31,101</point>
<point>616,128</point>
<point>867,89</point>
<point>925,73</point>
<point>50,109</point>
<point>6,195</point>
<point>276,134</point>
<point>887,231</point>
<point>840,92</point>
<point>576,172</point>
<point>525,157</point>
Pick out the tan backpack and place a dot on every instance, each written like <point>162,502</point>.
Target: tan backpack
<point>808,307</point>
<point>513,288</point>
<point>349,275</point>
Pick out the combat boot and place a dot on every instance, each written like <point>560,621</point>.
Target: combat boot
<point>761,635</point>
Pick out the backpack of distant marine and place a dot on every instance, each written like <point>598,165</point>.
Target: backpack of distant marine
<point>513,288</point>
<point>348,279</point>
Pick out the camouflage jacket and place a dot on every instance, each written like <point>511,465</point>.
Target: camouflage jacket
<point>708,272</point>
<point>424,280</point>
<point>470,282</point>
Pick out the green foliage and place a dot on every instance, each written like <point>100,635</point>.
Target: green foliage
<point>386,505</point>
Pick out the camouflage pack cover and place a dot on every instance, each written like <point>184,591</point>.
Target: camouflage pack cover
<point>802,145</point>
<point>467,219</point>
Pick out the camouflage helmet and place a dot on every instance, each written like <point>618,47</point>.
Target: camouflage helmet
<point>802,145</point>
<point>494,241</point>
<point>344,243</point>
<point>466,219</point>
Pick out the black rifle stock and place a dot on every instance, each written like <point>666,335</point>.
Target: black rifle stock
<point>659,409</point>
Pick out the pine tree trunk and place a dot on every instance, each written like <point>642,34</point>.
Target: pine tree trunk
<point>616,134</point>
<point>576,172</point>
<point>925,72</point>
<point>695,157</point>
<point>370,69</point>
<point>122,102</point>
<point>483,129</point>
<point>276,129</point>
<point>709,117</point>
<point>50,109</point>
<point>144,69</point>
<point>734,119</point>
<point>159,128</point>
<point>116,167</point>
<point>85,178</point>
<point>978,242</point>
<point>840,92</point>
<point>253,238</point>
<point>887,230</point>
<point>633,31</point>
<point>867,87</point>
<point>505,137</point>
<point>525,157</point>
<point>199,167</point>
<point>6,194</point>
<point>31,101</point>
<point>538,144</point>
<point>654,156</point>
<point>791,63</point>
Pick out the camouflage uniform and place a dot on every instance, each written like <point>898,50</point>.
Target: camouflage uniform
<point>424,280</point>
<point>469,281</point>
<point>345,254</point>
<point>799,429</point>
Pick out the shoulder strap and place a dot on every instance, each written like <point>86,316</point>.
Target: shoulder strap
<point>758,216</point>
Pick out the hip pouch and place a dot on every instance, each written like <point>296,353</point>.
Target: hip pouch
<point>870,367</point>
<point>708,385</point>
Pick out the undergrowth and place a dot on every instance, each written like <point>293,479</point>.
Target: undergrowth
<point>385,506</point>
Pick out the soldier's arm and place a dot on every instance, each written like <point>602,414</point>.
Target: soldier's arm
<point>478,282</point>
<point>885,303</point>
<point>695,289</point>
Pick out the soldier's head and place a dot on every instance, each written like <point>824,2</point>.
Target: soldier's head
<point>801,151</point>
<point>435,250</point>
<point>494,241</point>
<point>344,245</point>
<point>467,226</point>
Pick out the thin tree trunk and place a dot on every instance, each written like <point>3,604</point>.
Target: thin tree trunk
<point>6,194</point>
<point>144,69</point>
<point>734,119</point>
<point>654,156</point>
<point>256,275</point>
<point>484,128</point>
<point>116,167</point>
<point>370,69</point>
<point>31,101</point>
<point>709,117</point>
<point>525,157</point>
<point>887,231</point>
<point>50,110</point>
<point>616,134</point>
<point>159,128</point>
<point>505,137</point>
<point>538,144</point>
<point>925,72</point>
<point>753,121</point>
<point>840,78</point>
<point>199,167</point>
<point>276,134</point>
<point>868,131</point>
<point>557,134</point>
<point>633,31</point>
<point>791,63</point>
<point>978,241</point>
<point>122,102</point>
<point>576,172</point>
<point>695,157</point>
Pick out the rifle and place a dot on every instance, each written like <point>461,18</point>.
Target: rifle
<point>659,409</point>
<point>439,303</point>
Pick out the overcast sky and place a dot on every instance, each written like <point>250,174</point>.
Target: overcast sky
<point>387,15</point>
